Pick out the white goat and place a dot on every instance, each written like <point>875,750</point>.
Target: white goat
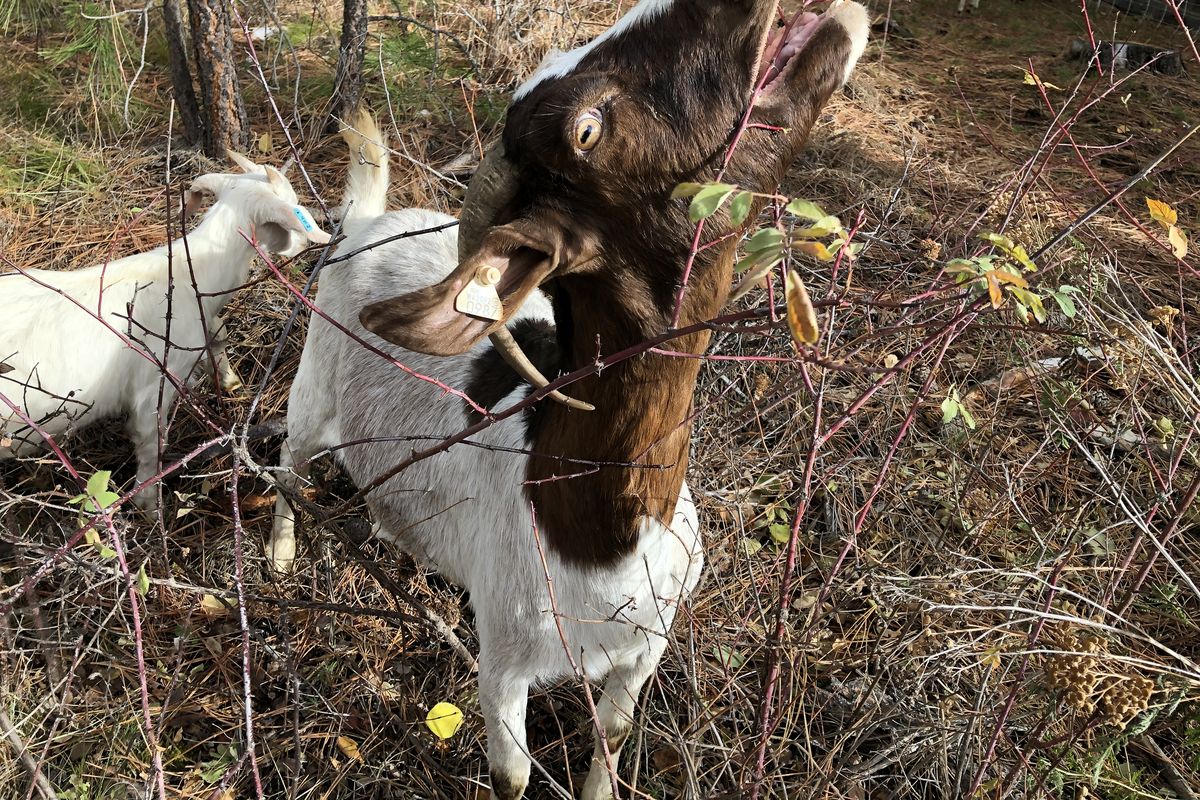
<point>573,531</point>
<point>93,343</point>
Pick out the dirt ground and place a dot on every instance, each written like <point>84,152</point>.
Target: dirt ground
<point>1001,604</point>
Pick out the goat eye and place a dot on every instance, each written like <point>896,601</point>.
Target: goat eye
<point>588,129</point>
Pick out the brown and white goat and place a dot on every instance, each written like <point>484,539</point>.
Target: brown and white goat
<point>575,201</point>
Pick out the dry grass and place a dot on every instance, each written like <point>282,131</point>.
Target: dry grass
<point>972,608</point>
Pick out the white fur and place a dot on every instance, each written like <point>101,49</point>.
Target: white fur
<point>557,63</point>
<point>962,5</point>
<point>79,348</point>
<point>464,511</point>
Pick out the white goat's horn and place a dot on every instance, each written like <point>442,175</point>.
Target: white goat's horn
<point>511,352</point>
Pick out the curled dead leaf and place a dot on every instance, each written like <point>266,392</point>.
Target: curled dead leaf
<point>349,748</point>
<point>801,316</point>
<point>214,607</point>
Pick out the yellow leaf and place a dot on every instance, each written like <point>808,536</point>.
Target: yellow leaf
<point>1178,240</point>
<point>994,293</point>
<point>349,748</point>
<point>1004,276</point>
<point>264,143</point>
<point>801,316</point>
<point>444,720</point>
<point>213,607</point>
<point>1161,212</point>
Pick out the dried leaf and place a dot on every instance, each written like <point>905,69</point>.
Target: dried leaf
<point>264,143</point>
<point>349,748</point>
<point>1178,240</point>
<point>801,316</point>
<point>1162,213</point>
<point>213,607</point>
<point>444,719</point>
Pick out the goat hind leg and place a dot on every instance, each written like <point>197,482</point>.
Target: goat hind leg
<point>231,382</point>
<point>614,713</point>
<point>294,468</point>
<point>147,427</point>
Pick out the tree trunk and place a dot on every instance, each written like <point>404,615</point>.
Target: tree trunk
<point>212,46</point>
<point>348,81</point>
<point>181,73</point>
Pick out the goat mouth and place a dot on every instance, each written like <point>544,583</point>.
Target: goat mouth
<point>782,46</point>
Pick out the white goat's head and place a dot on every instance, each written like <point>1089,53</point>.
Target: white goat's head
<point>263,202</point>
<point>578,191</point>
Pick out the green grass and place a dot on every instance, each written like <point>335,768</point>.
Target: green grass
<point>32,167</point>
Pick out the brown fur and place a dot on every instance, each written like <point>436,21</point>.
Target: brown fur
<point>617,246</point>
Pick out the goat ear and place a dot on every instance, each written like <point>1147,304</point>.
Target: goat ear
<point>246,164</point>
<point>431,320</point>
<point>293,218</point>
<point>276,178</point>
<point>201,189</point>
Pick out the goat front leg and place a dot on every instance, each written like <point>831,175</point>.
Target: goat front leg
<point>503,696</point>
<point>614,713</point>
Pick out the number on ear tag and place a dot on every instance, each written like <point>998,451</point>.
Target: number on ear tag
<point>479,298</point>
<point>306,220</point>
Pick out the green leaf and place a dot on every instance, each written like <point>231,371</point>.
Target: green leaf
<point>143,580</point>
<point>728,656</point>
<point>780,532</point>
<point>966,415</point>
<point>739,208</point>
<point>107,552</point>
<point>805,209</point>
<point>949,410</point>
<point>708,200</point>
<point>98,482</point>
<point>96,495</point>
<point>686,189</point>
<point>1066,304</point>
<point>765,239</point>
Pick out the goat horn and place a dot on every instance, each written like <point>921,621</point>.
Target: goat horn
<point>511,352</point>
<point>491,188</point>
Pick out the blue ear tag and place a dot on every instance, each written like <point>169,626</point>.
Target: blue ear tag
<point>305,218</point>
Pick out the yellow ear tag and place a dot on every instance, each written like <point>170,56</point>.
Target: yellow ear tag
<point>479,298</point>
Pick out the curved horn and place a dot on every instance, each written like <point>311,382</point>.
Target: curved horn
<point>511,352</point>
<point>491,188</point>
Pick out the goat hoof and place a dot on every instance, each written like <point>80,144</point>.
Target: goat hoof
<point>504,788</point>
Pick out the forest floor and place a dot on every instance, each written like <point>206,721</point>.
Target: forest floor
<point>996,566</point>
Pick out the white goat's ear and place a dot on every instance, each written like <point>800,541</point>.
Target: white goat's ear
<point>294,218</point>
<point>202,188</point>
<point>246,164</point>
<point>287,166</point>
<point>276,179</point>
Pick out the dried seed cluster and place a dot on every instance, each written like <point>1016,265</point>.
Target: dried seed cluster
<point>1076,674</point>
